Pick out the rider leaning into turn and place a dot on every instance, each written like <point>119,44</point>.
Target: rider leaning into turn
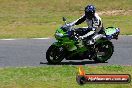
<point>94,22</point>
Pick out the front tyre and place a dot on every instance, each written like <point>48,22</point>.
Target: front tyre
<point>55,54</point>
<point>104,51</point>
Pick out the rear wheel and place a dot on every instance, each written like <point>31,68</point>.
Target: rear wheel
<point>55,54</point>
<point>104,51</point>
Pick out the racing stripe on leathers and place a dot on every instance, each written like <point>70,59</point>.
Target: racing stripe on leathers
<point>94,23</point>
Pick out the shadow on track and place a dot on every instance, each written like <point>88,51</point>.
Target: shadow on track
<point>74,63</point>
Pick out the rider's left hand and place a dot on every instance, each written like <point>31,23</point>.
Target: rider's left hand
<point>70,24</point>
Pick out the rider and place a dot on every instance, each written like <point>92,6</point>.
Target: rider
<point>94,22</point>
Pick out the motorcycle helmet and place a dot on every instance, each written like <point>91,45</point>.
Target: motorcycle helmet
<point>89,11</point>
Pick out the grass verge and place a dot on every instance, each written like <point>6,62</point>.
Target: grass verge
<point>38,30</point>
<point>40,18</point>
<point>57,76</point>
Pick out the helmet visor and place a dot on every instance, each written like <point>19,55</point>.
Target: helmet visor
<point>89,14</point>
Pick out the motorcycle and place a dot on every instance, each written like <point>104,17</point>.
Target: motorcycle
<point>67,48</point>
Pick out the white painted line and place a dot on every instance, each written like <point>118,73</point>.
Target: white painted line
<point>40,38</point>
<point>25,38</point>
<point>7,39</point>
<point>43,38</point>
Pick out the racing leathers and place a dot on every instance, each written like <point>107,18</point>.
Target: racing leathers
<point>94,29</point>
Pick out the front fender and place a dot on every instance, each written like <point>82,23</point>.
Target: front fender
<point>57,44</point>
<point>104,39</point>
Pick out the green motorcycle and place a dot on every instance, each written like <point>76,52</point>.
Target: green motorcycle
<point>67,48</point>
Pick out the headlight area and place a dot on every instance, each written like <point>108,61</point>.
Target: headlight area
<point>59,35</point>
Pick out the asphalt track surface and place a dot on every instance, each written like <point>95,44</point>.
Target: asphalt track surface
<point>32,52</point>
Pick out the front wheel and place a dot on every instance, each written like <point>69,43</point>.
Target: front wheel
<point>55,54</point>
<point>104,51</point>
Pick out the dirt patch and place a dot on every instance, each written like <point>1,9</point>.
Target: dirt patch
<point>116,12</point>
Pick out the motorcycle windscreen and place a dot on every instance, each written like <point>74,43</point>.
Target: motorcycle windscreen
<point>110,30</point>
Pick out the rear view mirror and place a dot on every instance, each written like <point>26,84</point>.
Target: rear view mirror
<point>64,19</point>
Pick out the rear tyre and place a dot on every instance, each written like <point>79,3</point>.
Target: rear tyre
<point>55,54</point>
<point>104,51</point>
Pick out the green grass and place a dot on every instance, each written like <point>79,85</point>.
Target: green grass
<point>40,18</point>
<point>57,76</point>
